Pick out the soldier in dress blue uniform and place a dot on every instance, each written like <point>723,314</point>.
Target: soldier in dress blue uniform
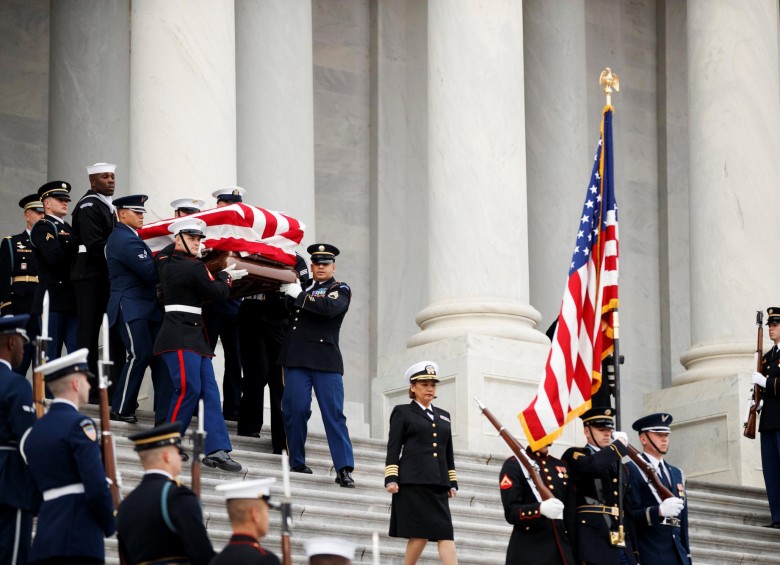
<point>55,249</point>
<point>660,526</point>
<point>542,529</point>
<point>247,506</point>
<point>161,521</point>
<point>598,477</point>
<point>63,455</point>
<point>19,274</point>
<point>311,358</point>
<point>420,468</point>
<point>769,425</point>
<point>181,342</point>
<point>329,551</point>
<point>133,309</point>
<point>17,493</point>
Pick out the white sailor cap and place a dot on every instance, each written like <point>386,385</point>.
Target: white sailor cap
<point>229,194</point>
<point>330,546</point>
<point>422,371</point>
<point>191,226</point>
<point>75,362</point>
<point>99,168</point>
<point>252,489</point>
<point>190,205</point>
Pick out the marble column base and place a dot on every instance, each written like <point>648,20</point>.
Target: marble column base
<point>449,319</point>
<point>503,373</point>
<point>719,359</point>
<point>707,441</point>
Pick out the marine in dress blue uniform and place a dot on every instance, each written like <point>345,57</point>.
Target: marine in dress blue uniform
<point>134,311</point>
<point>55,248</point>
<point>769,424</point>
<point>19,275</point>
<point>63,456</point>
<point>311,358</point>
<point>537,539</point>
<point>660,526</point>
<point>18,498</point>
<point>161,521</point>
<point>182,343</point>
<point>598,477</point>
<point>247,505</point>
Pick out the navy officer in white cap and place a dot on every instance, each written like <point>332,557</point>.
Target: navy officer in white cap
<point>247,505</point>
<point>186,206</point>
<point>228,195</point>
<point>329,551</point>
<point>63,454</point>
<point>660,525</point>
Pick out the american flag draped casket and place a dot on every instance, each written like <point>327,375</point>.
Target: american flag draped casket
<point>261,241</point>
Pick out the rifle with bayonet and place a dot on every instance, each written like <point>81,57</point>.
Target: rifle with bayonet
<point>41,343</point>
<point>197,450</point>
<point>286,509</point>
<point>749,427</point>
<point>106,436</point>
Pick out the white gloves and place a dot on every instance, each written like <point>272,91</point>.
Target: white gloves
<point>622,437</point>
<point>671,507</point>
<point>291,289</point>
<point>758,379</point>
<point>234,273</point>
<point>551,508</point>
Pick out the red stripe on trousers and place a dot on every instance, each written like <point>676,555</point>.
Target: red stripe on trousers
<point>183,376</point>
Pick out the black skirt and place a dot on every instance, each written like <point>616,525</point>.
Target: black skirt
<point>421,511</point>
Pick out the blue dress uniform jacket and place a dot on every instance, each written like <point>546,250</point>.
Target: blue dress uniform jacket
<point>142,530</point>
<point>62,451</point>
<point>655,541</point>
<point>312,339</point>
<point>244,550</point>
<point>18,275</point>
<point>595,475</point>
<point>55,247</point>
<point>427,457</point>
<point>17,415</point>
<point>537,540</point>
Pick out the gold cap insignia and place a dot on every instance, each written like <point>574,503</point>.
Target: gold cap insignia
<point>321,248</point>
<point>430,370</point>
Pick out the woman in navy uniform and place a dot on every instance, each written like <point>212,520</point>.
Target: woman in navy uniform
<point>63,455</point>
<point>18,497</point>
<point>423,478</point>
<point>660,526</point>
<point>161,520</point>
<point>542,529</point>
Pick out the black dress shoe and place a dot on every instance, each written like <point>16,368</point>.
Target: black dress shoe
<point>250,434</point>
<point>301,469</point>
<point>775,525</point>
<point>129,419</point>
<point>344,478</point>
<point>184,456</point>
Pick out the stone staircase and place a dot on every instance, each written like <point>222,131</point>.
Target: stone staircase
<point>724,521</point>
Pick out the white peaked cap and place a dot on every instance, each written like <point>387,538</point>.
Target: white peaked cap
<point>330,546</point>
<point>228,190</point>
<point>187,224</point>
<point>98,168</point>
<point>188,203</point>
<point>75,362</point>
<point>424,370</point>
<point>252,489</point>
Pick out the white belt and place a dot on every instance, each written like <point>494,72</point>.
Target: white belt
<point>182,308</point>
<point>7,448</point>
<point>52,493</point>
<point>82,248</point>
<point>260,296</point>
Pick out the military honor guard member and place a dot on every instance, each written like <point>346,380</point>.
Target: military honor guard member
<point>134,311</point>
<point>598,475</point>
<point>55,248</point>
<point>19,274</point>
<point>18,497</point>
<point>660,526</point>
<point>420,468</point>
<point>329,551</point>
<point>247,506</point>
<point>228,195</point>
<point>542,529</point>
<point>186,206</point>
<point>311,358</point>
<point>181,342</point>
<point>93,221</point>
<point>161,521</point>
<point>62,451</point>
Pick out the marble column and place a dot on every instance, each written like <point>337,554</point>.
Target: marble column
<point>182,100</point>
<point>89,90</point>
<point>275,106</point>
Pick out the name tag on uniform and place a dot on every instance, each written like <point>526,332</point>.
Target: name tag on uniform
<point>444,418</point>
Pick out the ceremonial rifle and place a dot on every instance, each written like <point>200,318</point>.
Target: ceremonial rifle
<point>106,437</point>
<point>749,427</point>
<point>41,343</point>
<point>286,509</point>
<point>197,450</point>
<point>525,460</point>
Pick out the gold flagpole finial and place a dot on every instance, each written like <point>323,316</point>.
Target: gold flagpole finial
<point>610,82</point>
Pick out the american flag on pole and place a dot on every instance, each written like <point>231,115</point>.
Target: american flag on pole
<point>240,228</point>
<point>584,334</point>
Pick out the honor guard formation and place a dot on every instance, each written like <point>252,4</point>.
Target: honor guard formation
<point>95,285</point>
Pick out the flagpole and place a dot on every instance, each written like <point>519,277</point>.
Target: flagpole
<point>616,367</point>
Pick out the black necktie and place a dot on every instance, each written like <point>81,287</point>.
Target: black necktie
<point>429,412</point>
<point>665,478</point>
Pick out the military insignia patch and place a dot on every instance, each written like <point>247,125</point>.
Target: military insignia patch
<point>88,427</point>
<point>143,255</point>
<point>577,454</point>
<point>444,418</point>
<point>334,295</point>
<point>49,236</point>
<point>506,482</point>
